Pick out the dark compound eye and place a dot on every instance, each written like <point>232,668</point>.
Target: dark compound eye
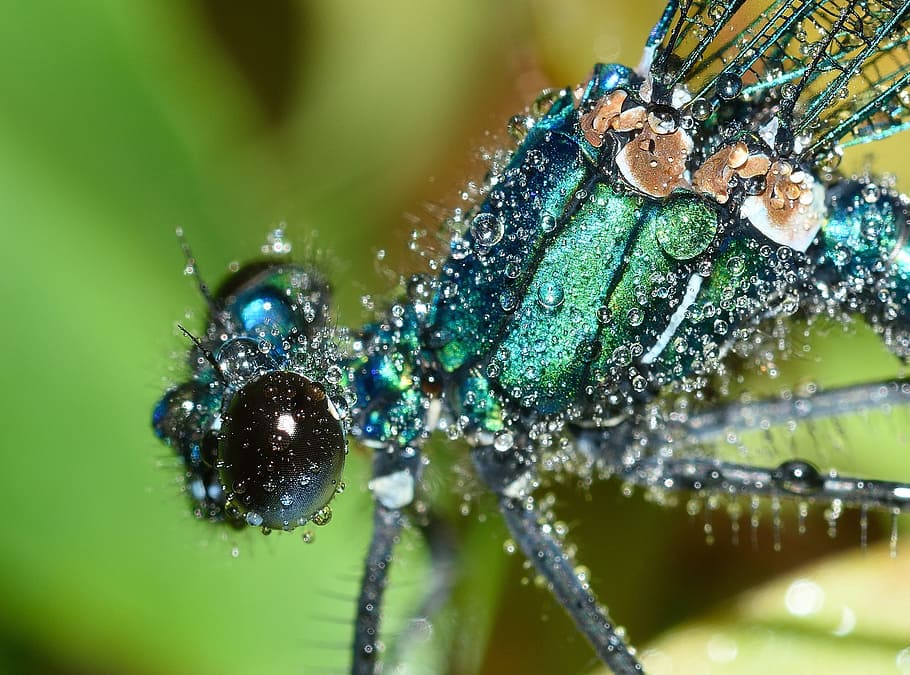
<point>281,451</point>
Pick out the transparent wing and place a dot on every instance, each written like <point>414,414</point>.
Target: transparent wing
<point>830,71</point>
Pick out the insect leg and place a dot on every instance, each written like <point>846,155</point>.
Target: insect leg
<point>711,425</point>
<point>395,472</point>
<point>794,478</point>
<point>387,524</point>
<point>508,475</point>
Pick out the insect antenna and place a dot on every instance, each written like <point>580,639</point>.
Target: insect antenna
<point>192,269</point>
<point>206,353</point>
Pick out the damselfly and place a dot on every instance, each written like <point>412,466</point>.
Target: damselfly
<point>651,235</point>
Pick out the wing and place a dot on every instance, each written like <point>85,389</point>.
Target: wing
<point>816,73</point>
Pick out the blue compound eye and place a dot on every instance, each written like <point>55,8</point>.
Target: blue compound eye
<point>281,450</point>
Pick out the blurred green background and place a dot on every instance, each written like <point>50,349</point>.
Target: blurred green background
<point>352,122</point>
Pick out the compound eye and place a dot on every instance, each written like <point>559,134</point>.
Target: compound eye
<point>281,451</point>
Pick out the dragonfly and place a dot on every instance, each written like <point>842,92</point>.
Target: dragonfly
<point>654,229</point>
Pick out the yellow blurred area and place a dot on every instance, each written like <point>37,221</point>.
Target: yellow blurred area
<point>348,121</point>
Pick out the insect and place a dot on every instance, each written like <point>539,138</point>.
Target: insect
<point>653,230</point>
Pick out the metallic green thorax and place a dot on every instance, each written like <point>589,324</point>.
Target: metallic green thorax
<point>569,288</point>
<point>573,284</point>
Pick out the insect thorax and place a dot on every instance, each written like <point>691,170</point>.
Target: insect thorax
<point>624,246</point>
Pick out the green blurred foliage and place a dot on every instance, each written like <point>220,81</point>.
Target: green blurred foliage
<point>122,120</point>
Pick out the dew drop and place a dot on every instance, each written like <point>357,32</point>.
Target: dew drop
<point>508,300</point>
<point>323,516</point>
<point>728,86</point>
<point>487,229</point>
<point>871,193</point>
<point>798,477</point>
<point>333,374</point>
<point>519,126</point>
<point>504,441</point>
<point>736,265</point>
<point>701,109</point>
<point>547,223</point>
<point>550,295</point>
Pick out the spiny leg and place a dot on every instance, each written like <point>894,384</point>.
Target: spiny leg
<point>507,475</point>
<point>793,479</point>
<point>387,524</point>
<point>711,425</point>
<point>396,470</point>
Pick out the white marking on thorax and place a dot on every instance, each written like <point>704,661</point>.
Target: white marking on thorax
<point>394,490</point>
<point>433,414</point>
<point>692,288</point>
<point>520,487</point>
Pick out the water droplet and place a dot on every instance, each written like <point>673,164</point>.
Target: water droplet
<point>728,86</point>
<point>518,127</point>
<point>547,222</point>
<point>701,109</point>
<point>636,316</point>
<point>459,248</point>
<point>871,193</point>
<point>550,295</point>
<point>242,359</point>
<point>504,441</point>
<point>508,300</point>
<point>323,516</point>
<point>487,229</point>
<point>333,374</point>
<point>736,265</point>
<point>798,477</point>
<point>685,228</point>
<point>253,518</point>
